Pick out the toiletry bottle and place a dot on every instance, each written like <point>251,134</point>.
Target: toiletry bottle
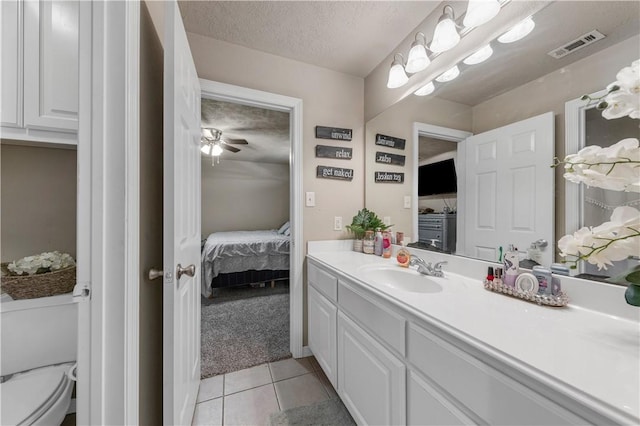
<point>557,269</point>
<point>377,244</point>
<point>543,275</point>
<point>386,245</point>
<point>403,257</point>
<point>367,243</point>
<point>497,276</point>
<point>490,273</point>
<point>400,238</point>
<point>511,266</point>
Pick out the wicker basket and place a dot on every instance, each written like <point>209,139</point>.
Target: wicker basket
<point>39,285</point>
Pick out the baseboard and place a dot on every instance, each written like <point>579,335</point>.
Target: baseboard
<point>306,351</point>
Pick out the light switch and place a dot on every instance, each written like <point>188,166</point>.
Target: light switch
<point>311,199</point>
<point>407,201</point>
<point>386,220</point>
<point>337,223</point>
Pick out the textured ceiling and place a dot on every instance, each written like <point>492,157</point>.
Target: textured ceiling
<point>267,131</point>
<point>430,147</point>
<point>347,36</point>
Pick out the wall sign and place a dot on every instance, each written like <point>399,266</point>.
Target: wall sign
<point>333,152</point>
<point>333,133</point>
<point>386,158</point>
<point>339,173</point>
<point>389,177</point>
<point>390,141</point>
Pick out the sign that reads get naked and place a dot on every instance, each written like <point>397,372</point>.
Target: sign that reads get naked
<point>333,133</point>
<point>339,173</point>
<point>389,177</point>
<point>386,158</point>
<point>333,152</point>
<point>390,141</point>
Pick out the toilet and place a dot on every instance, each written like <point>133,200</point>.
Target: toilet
<point>38,352</point>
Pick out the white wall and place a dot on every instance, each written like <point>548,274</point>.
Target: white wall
<point>241,195</point>
<point>38,190</point>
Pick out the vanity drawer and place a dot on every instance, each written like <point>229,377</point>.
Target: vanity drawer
<point>379,320</point>
<point>323,281</point>
<point>492,396</point>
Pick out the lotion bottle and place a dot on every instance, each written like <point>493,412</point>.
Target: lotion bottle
<point>377,244</point>
<point>511,266</point>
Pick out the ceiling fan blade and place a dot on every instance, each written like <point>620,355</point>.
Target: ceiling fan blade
<point>236,141</point>
<point>229,148</point>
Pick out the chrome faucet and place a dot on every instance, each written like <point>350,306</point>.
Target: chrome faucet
<point>425,268</point>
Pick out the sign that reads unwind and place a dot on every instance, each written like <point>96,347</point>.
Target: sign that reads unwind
<point>389,177</point>
<point>333,152</point>
<point>390,141</point>
<point>335,133</point>
<point>386,158</point>
<point>339,173</point>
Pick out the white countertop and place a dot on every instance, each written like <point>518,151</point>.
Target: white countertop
<point>589,355</point>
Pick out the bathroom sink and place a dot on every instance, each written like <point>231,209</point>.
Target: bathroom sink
<point>399,278</point>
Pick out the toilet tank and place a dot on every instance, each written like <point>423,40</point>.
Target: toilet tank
<point>37,332</point>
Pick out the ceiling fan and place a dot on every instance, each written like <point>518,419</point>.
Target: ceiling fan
<point>213,144</point>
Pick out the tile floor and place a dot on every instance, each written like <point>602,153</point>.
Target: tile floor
<point>248,397</point>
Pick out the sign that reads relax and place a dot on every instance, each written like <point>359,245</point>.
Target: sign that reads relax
<point>389,177</point>
<point>386,158</point>
<point>333,152</point>
<point>333,133</point>
<point>390,141</point>
<point>339,173</point>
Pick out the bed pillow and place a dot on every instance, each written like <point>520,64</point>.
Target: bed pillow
<point>284,227</point>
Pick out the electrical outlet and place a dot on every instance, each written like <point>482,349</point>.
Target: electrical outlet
<point>407,201</point>
<point>386,220</point>
<point>311,199</point>
<point>337,223</point>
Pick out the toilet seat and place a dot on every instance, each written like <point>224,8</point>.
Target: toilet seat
<point>28,396</point>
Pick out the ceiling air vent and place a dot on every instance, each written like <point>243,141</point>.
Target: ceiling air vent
<point>579,43</point>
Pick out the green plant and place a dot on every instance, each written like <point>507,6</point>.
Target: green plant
<point>365,220</point>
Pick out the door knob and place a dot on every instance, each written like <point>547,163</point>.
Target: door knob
<point>155,273</point>
<point>189,271</point>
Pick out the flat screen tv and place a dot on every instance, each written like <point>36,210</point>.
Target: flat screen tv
<point>437,178</point>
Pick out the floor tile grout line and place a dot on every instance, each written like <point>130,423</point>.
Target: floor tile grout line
<point>276,394</point>
<point>224,382</point>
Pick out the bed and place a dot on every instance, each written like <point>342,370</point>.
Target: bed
<point>244,257</point>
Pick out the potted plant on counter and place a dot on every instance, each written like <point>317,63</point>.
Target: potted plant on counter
<point>365,220</point>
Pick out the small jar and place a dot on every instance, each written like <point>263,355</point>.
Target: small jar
<point>367,243</point>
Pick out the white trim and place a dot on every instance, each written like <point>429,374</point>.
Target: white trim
<point>306,351</point>
<point>445,133</point>
<point>258,98</point>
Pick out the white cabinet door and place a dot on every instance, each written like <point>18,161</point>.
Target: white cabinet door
<point>426,406</point>
<point>371,380</point>
<point>11,56</point>
<point>322,333</point>
<point>51,64</point>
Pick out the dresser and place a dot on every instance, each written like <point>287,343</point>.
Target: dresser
<point>440,227</point>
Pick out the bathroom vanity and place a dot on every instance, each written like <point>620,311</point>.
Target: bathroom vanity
<point>403,348</point>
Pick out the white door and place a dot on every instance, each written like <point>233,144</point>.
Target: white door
<point>509,188</point>
<point>181,229</point>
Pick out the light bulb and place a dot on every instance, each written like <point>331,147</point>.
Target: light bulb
<point>418,59</point>
<point>216,150</point>
<point>397,75</point>
<point>425,90</point>
<point>449,74</point>
<point>445,36</point>
<point>206,149</point>
<point>519,31</point>
<point>479,56</point>
<point>480,12</point>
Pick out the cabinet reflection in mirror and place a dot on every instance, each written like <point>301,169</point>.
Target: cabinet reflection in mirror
<point>507,193</point>
<point>590,206</point>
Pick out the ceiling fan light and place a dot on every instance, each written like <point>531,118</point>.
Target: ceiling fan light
<point>216,150</point>
<point>479,56</point>
<point>480,12</point>
<point>425,90</point>
<point>418,59</point>
<point>445,36</point>
<point>397,76</point>
<point>206,149</point>
<point>449,75</point>
<point>518,32</point>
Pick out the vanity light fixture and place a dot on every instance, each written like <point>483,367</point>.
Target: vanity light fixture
<point>425,90</point>
<point>445,36</point>
<point>518,32</point>
<point>397,75</point>
<point>479,56</point>
<point>417,59</point>
<point>448,75</point>
<point>480,12</point>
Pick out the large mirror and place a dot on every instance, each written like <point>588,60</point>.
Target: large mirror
<point>522,80</point>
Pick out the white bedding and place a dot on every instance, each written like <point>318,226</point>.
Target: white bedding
<point>238,251</point>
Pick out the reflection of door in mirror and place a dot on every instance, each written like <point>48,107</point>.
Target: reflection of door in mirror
<point>597,204</point>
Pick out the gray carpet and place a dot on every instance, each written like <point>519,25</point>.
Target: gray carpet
<point>243,327</point>
<point>329,412</point>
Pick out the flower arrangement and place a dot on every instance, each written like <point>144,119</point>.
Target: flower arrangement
<point>41,263</point>
<point>615,168</point>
